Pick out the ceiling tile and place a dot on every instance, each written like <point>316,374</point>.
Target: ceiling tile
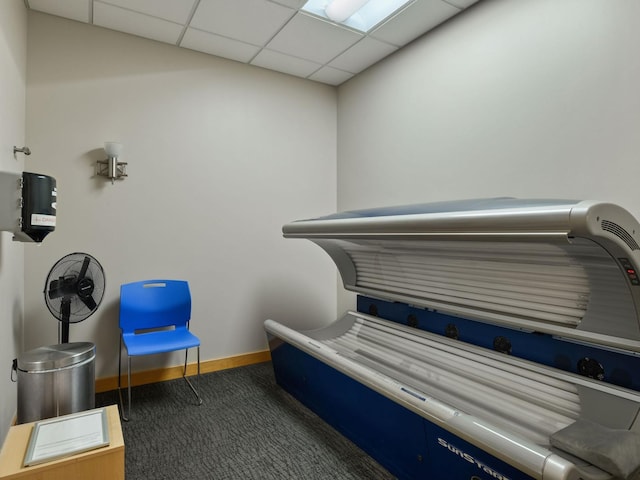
<point>217,45</point>
<point>251,21</point>
<point>166,9</point>
<point>284,63</point>
<point>290,3</point>
<point>416,19</point>
<point>363,54</point>
<point>272,34</point>
<point>461,3</point>
<point>134,23</point>
<point>331,76</point>
<point>316,40</point>
<point>73,9</point>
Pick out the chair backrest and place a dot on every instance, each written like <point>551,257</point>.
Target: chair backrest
<point>154,304</point>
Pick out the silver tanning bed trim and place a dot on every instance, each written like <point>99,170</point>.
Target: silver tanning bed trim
<point>564,219</point>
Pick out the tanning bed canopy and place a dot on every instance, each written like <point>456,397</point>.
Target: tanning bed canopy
<point>563,267</point>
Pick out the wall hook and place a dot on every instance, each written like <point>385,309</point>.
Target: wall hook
<point>24,150</point>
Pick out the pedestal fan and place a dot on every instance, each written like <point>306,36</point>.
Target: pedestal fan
<point>73,290</point>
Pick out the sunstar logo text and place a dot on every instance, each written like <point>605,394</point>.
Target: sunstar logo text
<point>485,468</point>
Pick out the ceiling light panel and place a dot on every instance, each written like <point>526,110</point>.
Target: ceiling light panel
<point>368,14</point>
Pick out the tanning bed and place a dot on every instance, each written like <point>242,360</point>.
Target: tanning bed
<point>492,339</point>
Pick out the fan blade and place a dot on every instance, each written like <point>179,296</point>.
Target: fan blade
<point>89,302</point>
<point>83,270</point>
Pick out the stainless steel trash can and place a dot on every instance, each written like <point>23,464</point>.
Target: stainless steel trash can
<point>56,380</point>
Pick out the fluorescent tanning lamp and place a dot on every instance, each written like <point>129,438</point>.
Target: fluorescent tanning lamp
<point>360,15</point>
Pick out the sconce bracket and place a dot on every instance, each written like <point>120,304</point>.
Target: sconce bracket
<point>112,169</point>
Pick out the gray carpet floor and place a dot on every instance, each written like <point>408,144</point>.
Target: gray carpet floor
<point>247,428</point>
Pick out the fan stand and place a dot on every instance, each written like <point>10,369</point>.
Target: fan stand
<point>63,331</point>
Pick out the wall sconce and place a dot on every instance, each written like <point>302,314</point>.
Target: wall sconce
<point>111,167</point>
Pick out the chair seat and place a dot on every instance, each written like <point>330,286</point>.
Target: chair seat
<point>159,342</point>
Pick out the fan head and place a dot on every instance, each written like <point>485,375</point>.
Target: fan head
<point>74,287</point>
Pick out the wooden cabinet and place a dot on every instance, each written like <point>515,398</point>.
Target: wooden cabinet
<point>106,463</point>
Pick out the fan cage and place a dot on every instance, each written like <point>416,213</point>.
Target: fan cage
<point>70,267</point>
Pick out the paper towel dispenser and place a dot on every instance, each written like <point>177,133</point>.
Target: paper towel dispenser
<point>27,205</point>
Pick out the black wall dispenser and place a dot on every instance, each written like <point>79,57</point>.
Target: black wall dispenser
<point>27,205</point>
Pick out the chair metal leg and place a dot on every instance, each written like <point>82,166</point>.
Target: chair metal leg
<point>129,386</point>
<point>184,375</point>
<point>124,417</point>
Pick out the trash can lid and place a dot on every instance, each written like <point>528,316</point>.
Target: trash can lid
<point>56,356</point>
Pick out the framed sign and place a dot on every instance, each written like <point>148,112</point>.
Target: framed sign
<point>64,436</point>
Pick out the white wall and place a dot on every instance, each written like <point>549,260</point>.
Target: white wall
<point>527,98</point>
<point>13,62</point>
<point>220,155</point>
<point>534,98</point>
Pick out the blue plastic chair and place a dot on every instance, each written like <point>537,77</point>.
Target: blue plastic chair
<point>154,318</point>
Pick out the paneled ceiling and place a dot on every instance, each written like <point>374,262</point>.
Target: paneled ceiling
<point>273,34</point>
